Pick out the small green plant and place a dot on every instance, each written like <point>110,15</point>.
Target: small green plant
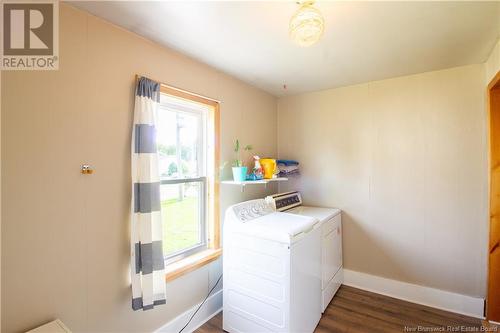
<point>238,162</point>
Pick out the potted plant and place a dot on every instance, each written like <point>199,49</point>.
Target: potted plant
<point>239,170</point>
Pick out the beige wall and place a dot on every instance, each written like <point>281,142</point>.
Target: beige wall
<point>406,161</point>
<point>493,63</point>
<point>65,247</point>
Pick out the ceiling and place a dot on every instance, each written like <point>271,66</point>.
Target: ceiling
<point>363,41</point>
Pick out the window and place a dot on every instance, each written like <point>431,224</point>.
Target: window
<point>187,137</point>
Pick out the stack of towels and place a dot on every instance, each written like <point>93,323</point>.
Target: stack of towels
<point>287,167</point>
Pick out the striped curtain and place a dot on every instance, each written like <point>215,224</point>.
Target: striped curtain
<point>147,265</point>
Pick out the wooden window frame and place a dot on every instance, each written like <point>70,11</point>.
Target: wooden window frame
<point>213,251</point>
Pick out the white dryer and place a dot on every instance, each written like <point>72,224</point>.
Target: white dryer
<point>272,270</point>
<point>332,275</point>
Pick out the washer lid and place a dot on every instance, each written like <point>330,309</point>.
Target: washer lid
<point>278,226</point>
<point>322,214</point>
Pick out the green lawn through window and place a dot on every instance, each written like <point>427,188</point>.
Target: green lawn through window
<point>180,224</point>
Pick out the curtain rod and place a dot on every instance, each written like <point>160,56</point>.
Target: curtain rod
<point>137,76</point>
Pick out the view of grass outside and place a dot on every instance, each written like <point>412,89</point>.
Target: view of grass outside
<point>180,224</point>
<point>179,158</point>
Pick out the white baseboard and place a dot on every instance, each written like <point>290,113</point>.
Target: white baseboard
<point>212,306</point>
<point>436,298</point>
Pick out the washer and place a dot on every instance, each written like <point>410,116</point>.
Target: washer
<point>272,270</point>
<point>332,275</point>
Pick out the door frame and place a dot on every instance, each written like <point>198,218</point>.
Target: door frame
<point>494,81</point>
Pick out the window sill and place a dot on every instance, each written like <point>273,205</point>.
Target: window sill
<point>189,264</point>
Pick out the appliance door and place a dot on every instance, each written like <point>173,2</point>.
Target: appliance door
<point>305,282</point>
<point>331,240</point>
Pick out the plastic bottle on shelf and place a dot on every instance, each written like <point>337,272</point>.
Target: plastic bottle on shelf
<point>257,169</point>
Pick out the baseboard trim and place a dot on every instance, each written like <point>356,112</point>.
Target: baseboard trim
<point>212,307</point>
<point>436,298</point>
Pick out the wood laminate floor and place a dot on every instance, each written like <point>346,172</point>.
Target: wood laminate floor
<point>355,311</point>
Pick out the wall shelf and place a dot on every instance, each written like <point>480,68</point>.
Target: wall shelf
<point>253,182</point>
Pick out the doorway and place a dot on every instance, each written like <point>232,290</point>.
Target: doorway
<point>493,297</point>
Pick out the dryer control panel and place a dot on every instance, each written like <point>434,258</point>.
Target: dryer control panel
<point>285,201</point>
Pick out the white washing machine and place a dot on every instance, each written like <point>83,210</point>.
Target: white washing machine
<point>272,270</point>
<point>332,275</point>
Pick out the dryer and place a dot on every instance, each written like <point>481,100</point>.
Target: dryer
<point>330,220</point>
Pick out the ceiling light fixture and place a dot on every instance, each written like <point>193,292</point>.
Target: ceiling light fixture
<point>307,24</point>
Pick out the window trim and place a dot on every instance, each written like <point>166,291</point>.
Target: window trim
<point>213,250</point>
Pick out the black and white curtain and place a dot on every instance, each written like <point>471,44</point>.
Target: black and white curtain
<point>148,268</point>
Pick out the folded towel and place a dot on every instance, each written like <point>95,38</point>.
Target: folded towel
<point>285,170</point>
<point>289,173</point>
<point>287,162</point>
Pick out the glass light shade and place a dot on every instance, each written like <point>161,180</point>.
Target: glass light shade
<point>306,25</point>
